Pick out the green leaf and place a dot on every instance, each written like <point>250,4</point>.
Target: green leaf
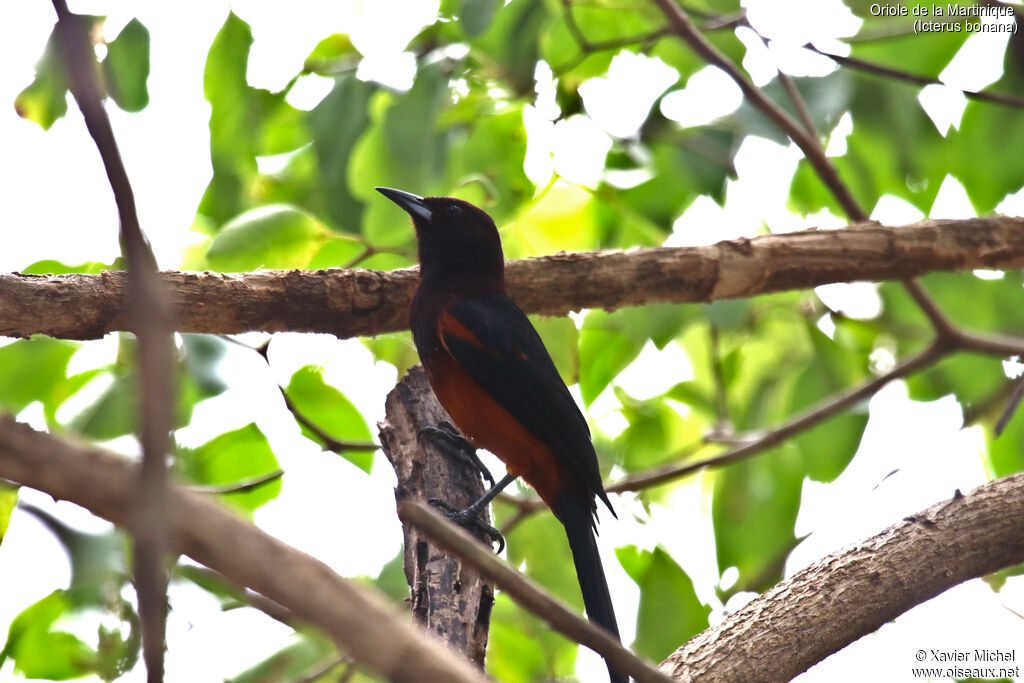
<point>293,662</point>
<point>233,457</point>
<point>683,167</point>
<point>521,647</point>
<point>338,252</point>
<point>396,348</point>
<point>655,432</point>
<point>276,236</point>
<point>488,165</point>
<point>402,148</point>
<point>670,611</point>
<point>202,356</point>
<point>475,15</point>
<point>611,341</point>
<point>336,124</point>
<point>829,447</point>
<point>50,266</point>
<point>987,184</point>
<point>35,370</point>
<point>330,411</point>
<point>329,49</point>
<point>511,43</point>
<point>38,651</point>
<point>245,122</point>
<point>753,510</point>
<point>45,99</point>
<point>561,339</point>
<point>8,501</point>
<point>126,67</point>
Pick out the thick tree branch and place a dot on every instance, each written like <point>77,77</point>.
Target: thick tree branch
<point>359,619</point>
<point>851,593</point>
<point>149,318</point>
<point>449,599</point>
<point>358,302</point>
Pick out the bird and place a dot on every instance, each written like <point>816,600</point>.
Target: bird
<point>491,372</point>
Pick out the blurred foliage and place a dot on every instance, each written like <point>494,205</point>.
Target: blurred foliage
<point>461,129</point>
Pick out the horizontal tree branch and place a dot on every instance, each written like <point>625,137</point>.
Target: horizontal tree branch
<point>361,302</point>
<point>359,619</point>
<point>849,594</point>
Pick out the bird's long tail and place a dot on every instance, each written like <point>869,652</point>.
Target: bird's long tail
<point>578,520</point>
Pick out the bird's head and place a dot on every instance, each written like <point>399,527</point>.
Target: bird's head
<point>456,239</point>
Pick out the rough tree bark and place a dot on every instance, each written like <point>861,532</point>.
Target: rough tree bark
<point>850,593</point>
<point>350,303</point>
<point>449,599</point>
<point>360,619</point>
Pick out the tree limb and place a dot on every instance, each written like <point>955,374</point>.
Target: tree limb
<point>851,593</point>
<point>149,318</point>
<point>360,302</point>
<point>358,618</point>
<point>449,599</point>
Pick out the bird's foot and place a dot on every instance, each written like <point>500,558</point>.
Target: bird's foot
<point>470,520</point>
<point>448,439</point>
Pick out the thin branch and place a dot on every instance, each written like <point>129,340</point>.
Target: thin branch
<point>350,303</point>
<point>851,593</point>
<point>528,593</point>
<point>1007,99</point>
<point>587,45</point>
<point>239,486</point>
<point>1011,405</point>
<point>361,620</point>
<point>685,29</point>
<point>244,595</point>
<point>149,319</point>
<point>795,425</point>
<point>942,324</point>
<point>329,442</point>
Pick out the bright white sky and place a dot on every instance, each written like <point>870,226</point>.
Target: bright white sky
<point>58,205</point>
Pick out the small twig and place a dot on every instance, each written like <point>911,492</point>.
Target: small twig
<point>150,320</point>
<point>1011,405</point>
<point>329,442</point>
<point>795,425</point>
<point>588,45</point>
<point>248,597</point>
<point>325,667</point>
<point>527,593</point>
<point>239,486</point>
<point>942,325</point>
<point>898,74</point>
<point>723,426</point>
<point>685,29</point>
<point>798,102</point>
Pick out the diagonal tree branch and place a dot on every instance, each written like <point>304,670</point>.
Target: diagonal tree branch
<point>361,620</point>
<point>350,303</point>
<point>150,320</point>
<point>526,592</point>
<point>1007,99</point>
<point>685,29</point>
<point>851,593</point>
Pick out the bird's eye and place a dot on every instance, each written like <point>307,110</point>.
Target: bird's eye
<point>453,210</point>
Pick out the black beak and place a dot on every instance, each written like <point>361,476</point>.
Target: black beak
<point>413,204</point>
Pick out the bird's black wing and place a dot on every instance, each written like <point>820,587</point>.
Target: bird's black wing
<point>505,355</point>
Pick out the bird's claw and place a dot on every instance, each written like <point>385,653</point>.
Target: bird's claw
<point>470,520</point>
<point>446,437</point>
